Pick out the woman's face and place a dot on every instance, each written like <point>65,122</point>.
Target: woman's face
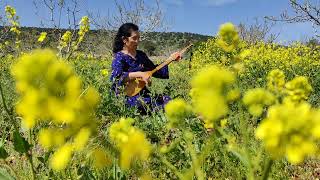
<point>132,41</point>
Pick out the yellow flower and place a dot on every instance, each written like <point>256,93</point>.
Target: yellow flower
<point>131,142</point>
<point>137,147</point>
<point>49,138</point>
<point>176,110</point>
<point>28,108</point>
<point>146,176</point>
<point>15,30</point>
<point>257,99</point>
<point>59,137</point>
<point>210,105</point>
<point>118,131</point>
<point>245,53</point>
<point>60,159</point>
<point>81,139</point>
<point>223,123</point>
<point>45,138</point>
<point>213,78</point>
<point>11,12</point>
<point>256,110</point>
<point>233,95</point>
<point>13,20</point>
<point>60,111</point>
<point>42,37</point>
<point>51,93</point>
<point>298,89</point>
<point>287,131</point>
<point>276,80</point>
<point>104,72</point>
<point>238,68</point>
<point>208,100</point>
<point>208,124</point>
<point>84,26</point>
<point>101,158</point>
<point>228,38</point>
<point>91,98</point>
<point>65,39</point>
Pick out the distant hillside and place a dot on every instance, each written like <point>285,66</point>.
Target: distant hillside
<point>99,42</point>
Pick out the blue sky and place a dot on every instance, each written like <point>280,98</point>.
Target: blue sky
<point>197,16</point>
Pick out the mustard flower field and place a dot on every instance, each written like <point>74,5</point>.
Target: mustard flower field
<point>239,111</point>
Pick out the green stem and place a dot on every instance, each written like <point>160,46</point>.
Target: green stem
<point>16,128</point>
<point>170,166</point>
<point>70,173</point>
<point>115,170</point>
<point>6,109</point>
<point>267,169</point>
<point>30,155</point>
<point>195,161</point>
<point>31,164</point>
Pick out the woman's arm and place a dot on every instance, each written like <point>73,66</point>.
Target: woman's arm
<point>144,75</point>
<point>162,73</point>
<point>120,76</point>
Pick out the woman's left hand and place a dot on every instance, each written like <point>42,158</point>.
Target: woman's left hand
<point>176,56</point>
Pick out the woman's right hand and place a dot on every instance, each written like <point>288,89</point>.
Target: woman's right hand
<point>145,76</point>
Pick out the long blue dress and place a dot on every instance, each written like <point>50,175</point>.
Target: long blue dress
<point>122,64</point>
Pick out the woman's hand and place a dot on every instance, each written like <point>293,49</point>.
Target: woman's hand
<point>145,76</point>
<point>176,56</point>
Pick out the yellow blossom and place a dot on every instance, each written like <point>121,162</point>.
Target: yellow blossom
<point>298,89</point>
<point>209,100</point>
<point>131,142</point>
<point>287,131</point>
<point>104,72</point>
<point>11,12</point>
<point>228,38</point>
<point>137,147</point>
<point>60,159</point>
<point>233,95</point>
<point>45,138</point>
<point>223,123</point>
<point>276,80</point>
<point>101,158</point>
<point>65,39</point>
<point>51,93</point>
<point>81,139</point>
<point>42,37</point>
<point>257,99</point>
<point>176,110</point>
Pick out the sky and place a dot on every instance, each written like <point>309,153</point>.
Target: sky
<point>195,16</point>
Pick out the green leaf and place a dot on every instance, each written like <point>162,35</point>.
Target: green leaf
<point>241,157</point>
<point>20,143</point>
<point>3,153</point>
<point>44,159</point>
<point>4,175</point>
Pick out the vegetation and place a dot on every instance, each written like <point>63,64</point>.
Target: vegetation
<point>240,110</point>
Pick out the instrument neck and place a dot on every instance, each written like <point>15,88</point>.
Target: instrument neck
<point>168,61</point>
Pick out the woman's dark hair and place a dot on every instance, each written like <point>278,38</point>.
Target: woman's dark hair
<point>124,31</point>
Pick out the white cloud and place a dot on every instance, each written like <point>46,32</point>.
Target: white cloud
<point>219,2</point>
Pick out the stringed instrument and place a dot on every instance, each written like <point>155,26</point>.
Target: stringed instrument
<point>134,86</point>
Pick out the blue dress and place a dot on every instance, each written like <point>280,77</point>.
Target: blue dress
<point>122,64</point>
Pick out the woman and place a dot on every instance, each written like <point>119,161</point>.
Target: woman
<point>130,63</point>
